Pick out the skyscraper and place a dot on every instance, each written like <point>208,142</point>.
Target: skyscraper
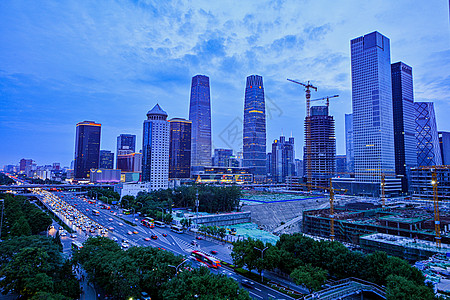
<point>126,144</point>
<point>341,164</point>
<point>373,129</point>
<point>323,146</point>
<point>404,121</point>
<point>200,115</point>
<point>428,150</point>
<point>221,157</point>
<point>131,162</point>
<point>180,148</point>
<point>282,159</point>
<point>87,148</point>
<point>444,143</point>
<point>106,159</point>
<point>349,153</point>
<point>155,154</point>
<point>254,133</point>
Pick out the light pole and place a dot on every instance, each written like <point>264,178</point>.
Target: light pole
<point>177,267</point>
<point>262,258</point>
<point>162,211</point>
<point>1,219</point>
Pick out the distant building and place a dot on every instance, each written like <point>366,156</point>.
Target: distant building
<point>341,164</point>
<point>254,131</point>
<point>104,175</point>
<point>221,157</point>
<point>283,156</point>
<point>126,144</point>
<point>106,159</point>
<point>428,150</point>
<point>269,165</point>
<point>299,167</point>
<point>200,115</point>
<point>56,166</point>
<point>130,177</point>
<point>155,143</point>
<point>350,154</point>
<point>180,148</point>
<point>26,166</point>
<point>233,162</point>
<point>444,143</point>
<point>131,189</point>
<point>87,148</point>
<point>131,162</point>
<point>222,175</point>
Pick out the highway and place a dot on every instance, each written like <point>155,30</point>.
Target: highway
<point>178,243</point>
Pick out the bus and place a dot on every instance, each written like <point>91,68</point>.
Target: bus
<point>210,261</point>
<point>177,229</point>
<point>76,245</point>
<point>127,211</point>
<point>148,222</point>
<point>95,212</point>
<point>160,224</point>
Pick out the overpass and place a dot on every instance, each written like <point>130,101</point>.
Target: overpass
<point>51,186</point>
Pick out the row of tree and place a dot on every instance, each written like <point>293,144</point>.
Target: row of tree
<point>214,231</point>
<point>107,195</point>
<point>311,262</point>
<point>126,274</point>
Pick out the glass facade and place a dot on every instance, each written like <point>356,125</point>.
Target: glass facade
<point>221,157</point>
<point>180,148</point>
<point>200,115</point>
<point>106,159</point>
<point>373,128</point>
<point>87,148</point>
<point>282,159</point>
<point>444,143</point>
<point>126,142</point>
<point>404,121</point>
<point>349,153</point>
<point>428,150</point>
<point>254,133</point>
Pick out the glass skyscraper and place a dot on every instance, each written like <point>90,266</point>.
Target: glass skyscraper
<point>87,148</point>
<point>254,133</point>
<point>282,159</point>
<point>200,115</point>
<point>373,128</point>
<point>126,142</point>
<point>444,143</point>
<point>180,148</point>
<point>106,159</point>
<point>428,149</point>
<point>404,121</point>
<point>349,153</point>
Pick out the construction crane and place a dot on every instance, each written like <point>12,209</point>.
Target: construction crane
<point>308,88</point>
<point>326,98</point>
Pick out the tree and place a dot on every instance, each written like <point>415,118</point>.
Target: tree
<point>400,288</point>
<point>222,232</point>
<point>21,227</point>
<point>311,277</point>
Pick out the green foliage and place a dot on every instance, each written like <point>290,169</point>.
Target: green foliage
<point>5,180</point>
<point>400,288</point>
<point>311,277</point>
<point>108,193</point>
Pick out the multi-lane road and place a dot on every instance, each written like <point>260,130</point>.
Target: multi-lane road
<point>178,243</point>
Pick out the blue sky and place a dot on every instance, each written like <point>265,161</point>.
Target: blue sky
<point>62,62</point>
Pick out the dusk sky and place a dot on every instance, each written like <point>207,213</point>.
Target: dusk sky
<point>62,62</point>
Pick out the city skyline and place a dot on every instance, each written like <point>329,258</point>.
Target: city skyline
<point>61,64</point>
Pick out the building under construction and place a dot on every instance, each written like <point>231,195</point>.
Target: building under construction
<point>358,219</point>
<point>421,182</point>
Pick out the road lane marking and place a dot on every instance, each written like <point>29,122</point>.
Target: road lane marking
<point>255,295</point>
<point>257,289</point>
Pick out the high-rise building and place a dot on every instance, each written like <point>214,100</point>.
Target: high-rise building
<point>323,146</point>
<point>155,144</point>
<point>444,143</point>
<point>180,148</point>
<point>298,167</point>
<point>126,144</point>
<point>341,164</point>
<point>404,121</point>
<point>283,156</point>
<point>349,153</point>
<point>87,148</point>
<point>106,159</point>
<point>200,115</point>
<point>373,129</point>
<point>131,162</point>
<point>254,137</point>
<point>428,150</point>
<point>24,163</point>
<point>269,165</point>
<point>221,157</point>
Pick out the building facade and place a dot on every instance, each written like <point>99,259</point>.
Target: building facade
<point>221,157</point>
<point>131,162</point>
<point>126,144</point>
<point>180,148</point>
<point>404,121</point>
<point>373,129</point>
<point>427,139</point>
<point>341,164</point>
<point>106,159</point>
<point>254,131</point>
<point>444,143</point>
<point>104,175</point>
<point>87,148</point>
<point>349,153</point>
<point>200,115</point>
<point>422,187</point>
<point>282,159</point>
<point>155,144</point>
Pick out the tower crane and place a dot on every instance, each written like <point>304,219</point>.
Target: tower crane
<point>326,98</point>
<point>308,86</point>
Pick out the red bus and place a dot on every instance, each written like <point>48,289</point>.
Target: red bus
<point>148,222</point>
<point>211,262</point>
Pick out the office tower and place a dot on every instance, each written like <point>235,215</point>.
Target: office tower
<point>56,166</point>
<point>349,153</point>
<point>323,146</point>
<point>87,148</point>
<point>282,159</point>
<point>126,144</point>
<point>341,164</point>
<point>373,129</point>
<point>131,162</point>
<point>106,159</point>
<point>180,148</point>
<point>200,115</point>
<point>254,137</point>
<point>269,165</point>
<point>24,163</point>
<point>221,157</point>
<point>155,144</point>
<point>428,150</point>
<point>299,167</point>
<point>444,143</point>
<point>404,121</point>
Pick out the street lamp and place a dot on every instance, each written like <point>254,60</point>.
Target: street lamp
<point>177,267</point>
<point>262,258</point>
<point>162,216</point>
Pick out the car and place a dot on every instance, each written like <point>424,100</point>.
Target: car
<point>73,235</point>
<point>147,239</point>
<point>63,233</point>
<point>213,252</point>
<point>198,237</point>
<point>121,224</point>
<point>247,283</point>
<point>114,239</point>
<point>193,242</point>
<point>92,230</point>
<point>125,245</point>
<point>87,209</point>
<point>115,214</point>
<point>110,219</point>
<point>164,234</point>
<point>135,232</point>
<point>129,232</point>
<point>110,228</point>
<point>155,237</point>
